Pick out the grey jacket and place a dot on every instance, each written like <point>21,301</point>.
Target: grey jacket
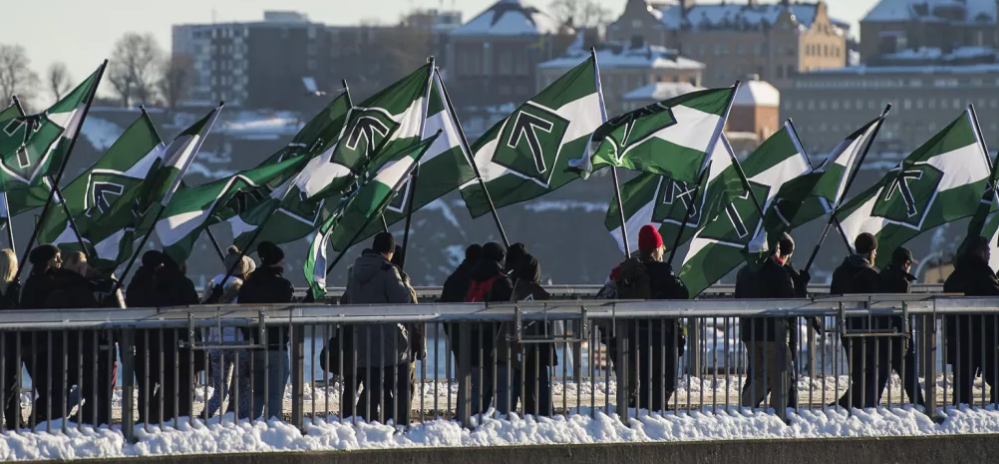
<point>374,280</point>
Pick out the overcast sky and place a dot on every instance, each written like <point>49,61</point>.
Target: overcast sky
<point>82,33</point>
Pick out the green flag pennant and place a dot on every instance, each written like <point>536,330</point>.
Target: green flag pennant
<point>671,138</point>
<point>526,155</point>
<point>92,196</point>
<point>940,182</point>
<point>36,146</point>
<point>724,241</point>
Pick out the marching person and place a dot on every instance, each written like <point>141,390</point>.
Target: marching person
<point>10,390</point>
<point>857,275</point>
<point>513,256</point>
<point>895,278</point>
<point>966,344</point>
<point>381,352</point>
<point>222,360</point>
<point>171,288</point>
<point>266,284</point>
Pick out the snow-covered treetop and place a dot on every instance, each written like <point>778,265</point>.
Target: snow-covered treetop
<point>511,18</point>
<point>961,11</point>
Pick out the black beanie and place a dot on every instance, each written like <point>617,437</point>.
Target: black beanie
<point>514,255</point>
<point>42,254</point>
<point>270,254</point>
<point>493,251</point>
<point>152,259</point>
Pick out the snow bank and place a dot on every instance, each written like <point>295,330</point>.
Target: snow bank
<point>733,424</point>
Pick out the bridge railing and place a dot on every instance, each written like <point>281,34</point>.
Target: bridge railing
<point>300,363</point>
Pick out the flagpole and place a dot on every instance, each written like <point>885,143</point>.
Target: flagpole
<point>475,167</point>
<point>849,182</point>
<point>138,250</point>
<point>72,222</point>
<point>414,177</point>
<point>617,182</point>
<point>686,216</point>
<point>62,168</point>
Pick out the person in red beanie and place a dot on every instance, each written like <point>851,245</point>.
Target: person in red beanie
<point>647,277</point>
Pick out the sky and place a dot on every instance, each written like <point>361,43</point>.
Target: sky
<point>82,33</point>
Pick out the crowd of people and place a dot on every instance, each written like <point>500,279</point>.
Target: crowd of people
<point>377,362</point>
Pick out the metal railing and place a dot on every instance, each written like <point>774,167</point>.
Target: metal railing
<point>304,363</point>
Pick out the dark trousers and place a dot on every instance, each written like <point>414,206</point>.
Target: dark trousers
<point>96,381</point>
<point>10,395</point>
<point>50,378</point>
<point>162,372</point>
<point>903,362</point>
<point>652,362</point>
<point>753,393</point>
<point>531,383</point>
<point>386,395</point>
<point>870,366</point>
<point>972,352</point>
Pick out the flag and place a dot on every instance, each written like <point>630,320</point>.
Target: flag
<point>303,210</point>
<point>819,192</point>
<point>193,209</point>
<point>661,201</point>
<point>985,222</point>
<point>446,166</point>
<point>723,242</point>
<point>132,214</point>
<point>671,138</point>
<point>36,146</point>
<point>89,198</point>
<point>940,182</point>
<point>369,201</point>
<point>7,143</point>
<point>526,155</point>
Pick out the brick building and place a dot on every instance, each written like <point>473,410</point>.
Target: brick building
<point>773,40</point>
<point>894,26</point>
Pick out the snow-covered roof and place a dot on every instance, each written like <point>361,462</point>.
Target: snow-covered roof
<point>740,15</point>
<point>757,93</point>
<point>933,10</point>
<point>510,17</point>
<point>928,69</point>
<point>659,91</point>
<point>932,53</point>
<point>621,56</point>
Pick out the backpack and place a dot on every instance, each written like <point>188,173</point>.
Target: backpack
<point>633,282</point>
<point>478,292</point>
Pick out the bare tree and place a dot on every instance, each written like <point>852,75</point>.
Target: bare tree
<point>580,13</point>
<point>58,79</point>
<point>16,76</point>
<point>176,79</point>
<point>134,68</point>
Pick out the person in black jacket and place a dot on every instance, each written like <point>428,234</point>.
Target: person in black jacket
<point>488,284</point>
<point>654,344</point>
<point>456,286</point>
<point>51,287</point>
<point>13,358</point>
<point>769,347</point>
<point>513,256</point>
<point>140,293</point>
<point>895,278</point>
<point>857,275</point>
<point>968,349</point>
<point>267,285</point>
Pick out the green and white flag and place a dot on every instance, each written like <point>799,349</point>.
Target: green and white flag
<point>985,222</point>
<point>670,138</point>
<point>368,202</point>
<point>35,146</point>
<point>722,243</point>
<point>91,197</point>
<point>662,202</point>
<point>942,181</point>
<point>526,155</point>
<point>6,143</point>
<point>193,209</point>
<point>819,192</point>
<point>446,166</point>
<point>303,209</point>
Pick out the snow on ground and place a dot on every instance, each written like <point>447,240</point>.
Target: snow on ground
<point>330,434</point>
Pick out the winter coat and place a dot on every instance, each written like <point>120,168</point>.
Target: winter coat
<point>11,299</point>
<point>172,288</point>
<point>267,285</point>
<point>484,334</point>
<point>230,295</point>
<point>456,286</point>
<point>374,280</point>
<point>855,275</point>
<point>747,283</point>
<point>140,292</point>
<point>665,285</point>
<point>57,289</point>
<point>972,277</point>
<point>772,281</point>
<point>894,280</point>
<point>527,288</point>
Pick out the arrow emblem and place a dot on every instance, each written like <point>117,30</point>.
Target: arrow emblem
<point>681,191</point>
<point>242,200</point>
<point>31,124</point>
<point>101,194</point>
<point>901,185</point>
<point>526,127</point>
<point>736,219</point>
<point>366,127</point>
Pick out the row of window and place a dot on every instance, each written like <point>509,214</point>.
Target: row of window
<point>907,104</point>
<point>740,49</point>
<point>508,62</point>
<point>888,128</point>
<point>894,83</point>
<point>823,50</point>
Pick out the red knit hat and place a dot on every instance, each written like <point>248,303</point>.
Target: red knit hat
<point>649,238</point>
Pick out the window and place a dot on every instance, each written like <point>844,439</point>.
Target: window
<point>919,103</point>
<point>811,104</point>
<point>823,127</point>
<point>740,49</point>
<point>957,104</point>
<point>800,105</point>
<point>932,103</point>
<point>860,104</point>
<point>871,104</point>
<point>780,72</point>
<point>846,104</point>
<point>636,24</point>
<point>993,103</point>
<point>701,50</point>
<point>835,104</point>
<point>505,66</point>
<point>822,104</point>
<point>907,104</point>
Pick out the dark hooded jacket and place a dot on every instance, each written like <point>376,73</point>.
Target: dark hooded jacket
<point>527,287</point>
<point>456,286</point>
<point>855,275</point>
<point>972,276</point>
<point>267,285</point>
<point>893,279</point>
<point>58,289</point>
<point>484,334</point>
<point>516,252</point>
<point>772,281</point>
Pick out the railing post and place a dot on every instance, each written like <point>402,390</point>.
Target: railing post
<point>464,374</point>
<point>779,392</point>
<point>297,376</point>
<point>621,368</point>
<point>693,351</point>
<point>128,383</point>
<point>929,355</point>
